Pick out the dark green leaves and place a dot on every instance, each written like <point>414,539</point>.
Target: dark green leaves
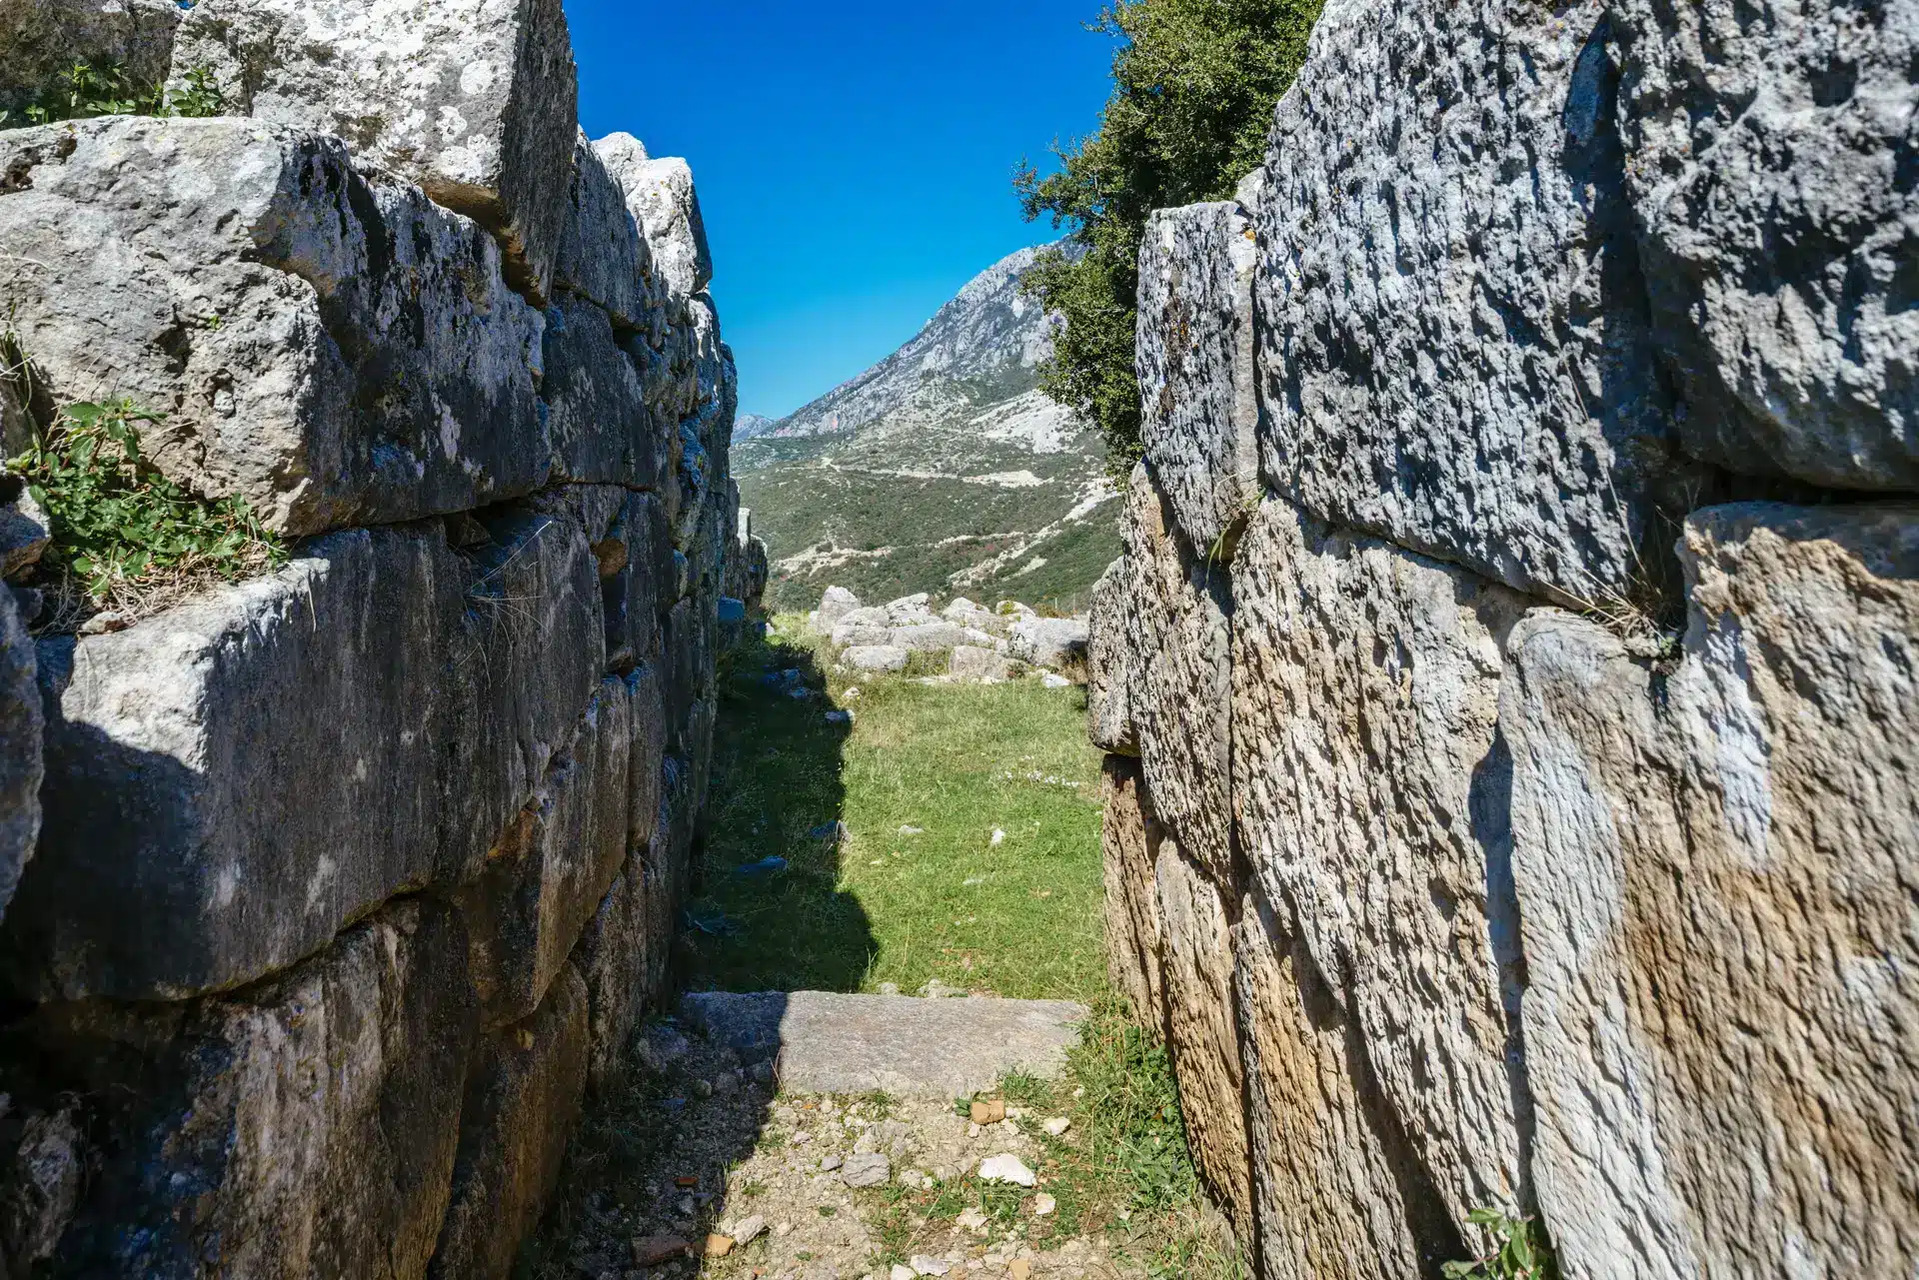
<point>118,524</point>
<point>1518,1252</point>
<point>86,91</point>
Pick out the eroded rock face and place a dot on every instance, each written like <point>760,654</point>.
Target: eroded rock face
<point>302,1129</point>
<point>1454,342</point>
<point>596,412</point>
<point>522,1101</point>
<point>1130,840</point>
<point>1196,953</point>
<point>603,256</point>
<point>1716,871</point>
<point>332,347</point>
<point>1370,783</point>
<point>21,730</point>
<point>40,40</point>
<point>1109,674</point>
<point>1328,1167</point>
<point>1772,166</point>
<point>474,100</point>
<point>1196,377</point>
<point>1180,656</point>
<point>661,196</point>
<point>193,842</point>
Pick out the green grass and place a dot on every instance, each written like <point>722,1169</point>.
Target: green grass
<point>957,762</point>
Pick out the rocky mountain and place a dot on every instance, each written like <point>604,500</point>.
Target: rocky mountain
<point>750,425</point>
<point>943,468</point>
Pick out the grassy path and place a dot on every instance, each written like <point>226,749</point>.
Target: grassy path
<point>951,834</point>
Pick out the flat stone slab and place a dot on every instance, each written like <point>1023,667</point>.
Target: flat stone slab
<point>949,1048</point>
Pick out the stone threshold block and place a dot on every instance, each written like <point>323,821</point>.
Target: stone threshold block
<point>476,101</point>
<point>330,346</point>
<point>304,1127</point>
<point>1199,393</point>
<point>1370,782</point>
<point>1454,339</point>
<point>1716,862</point>
<point>233,782</point>
<point>523,1097</point>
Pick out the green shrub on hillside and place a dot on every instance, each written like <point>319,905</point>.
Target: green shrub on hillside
<point>1195,83</point>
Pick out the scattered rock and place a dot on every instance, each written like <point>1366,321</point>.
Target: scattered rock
<point>875,658</point>
<point>1009,1169</point>
<point>1052,681</point>
<point>866,1169</point>
<point>747,1230</point>
<point>1058,1127</point>
<point>718,1246</point>
<point>653,1250</point>
<point>1044,1206</point>
<point>925,1266</point>
<point>989,1112</point>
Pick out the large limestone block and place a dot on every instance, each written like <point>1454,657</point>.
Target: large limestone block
<point>614,959</point>
<point>661,196</point>
<point>544,881</point>
<point>1109,674</point>
<point>1770,157</point>
<point>1058,644</point>
<point>1336,1194</point>
<point>1130,840</point>
<point>648,755</point>
<point>331,347</point>
<point>601,429</point>
<point>527,654</point>
<point>603,256</point>
<point>233,781</point>
<point>1453,334</point>
<point>1370,786</point>
<point>21,730</point>
<point>474,100</point>
<point>522,1102</point>
<point>1180,656</point>
<point>40,40</point>
<point>1196,954</point>
<point>1716,864</point>
<point>303,1129</point>
<point>1198,389</point>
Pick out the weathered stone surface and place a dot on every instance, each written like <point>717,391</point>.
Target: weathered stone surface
<point>1196,952</point>
<point>921,637</point>
<point>875,658</point>
<point>647,756</point>
<point>834,606</point>
<point>1058,644</point>
<point>1109,673</point>
<point>597,418</point>
<point>1180,656</point>
<point>303,1128</point>
<point>40,1180</point>
<point>1198,388</point>
<point>1337,1197</point>
<point>603,257</point>
<point>522,1101</point>
<point>945,1049</point>
<point>24,532</point>
<point>474,100</point>
<point>614,958</point>
<point>1131,840</point>
<point>661,196</point>
<point>1370,786</point>
<point>21,734</point>
<point>546,878</point>
<point>233,781</point>
<point>1771,161</point>
<point>40,40</point>
<point>1453,332</point>
<point>330,346</point>
<point>1716,868</point>
<point>972,662</point>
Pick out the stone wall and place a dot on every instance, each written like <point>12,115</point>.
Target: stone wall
<point>1510,677</point>
<point>327,897</point>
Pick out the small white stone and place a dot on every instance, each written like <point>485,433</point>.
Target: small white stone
<point>901,1273</point>
<point>925,1266</point>
<point>999,837</point>
<point>1007,1168</point>
<point>1044,1205</point>
<point>973,1219</point>
<point>1058,1126</point>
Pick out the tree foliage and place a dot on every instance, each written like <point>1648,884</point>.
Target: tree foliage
<point>1195,83</point>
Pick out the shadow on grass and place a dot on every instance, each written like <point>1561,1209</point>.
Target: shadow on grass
<point>770,914</point>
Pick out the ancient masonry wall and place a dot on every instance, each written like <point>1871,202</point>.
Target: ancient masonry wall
<point>329,896</point>
<point>1510,678</point>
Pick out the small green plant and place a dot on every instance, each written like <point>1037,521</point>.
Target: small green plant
<point>122,531</point>
<point>1519,1251</point>
<point>87,91</point>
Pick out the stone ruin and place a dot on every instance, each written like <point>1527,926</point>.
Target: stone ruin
<point>977,645</point>
<point>327,897</point>
<point>1509,682</point>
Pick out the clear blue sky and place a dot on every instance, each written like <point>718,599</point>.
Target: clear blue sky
<point>854,160</point>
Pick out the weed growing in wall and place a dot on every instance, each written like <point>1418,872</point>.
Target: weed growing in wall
<point>1519,1251</point>
<point>125,536</point>
<point>87,91</point>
